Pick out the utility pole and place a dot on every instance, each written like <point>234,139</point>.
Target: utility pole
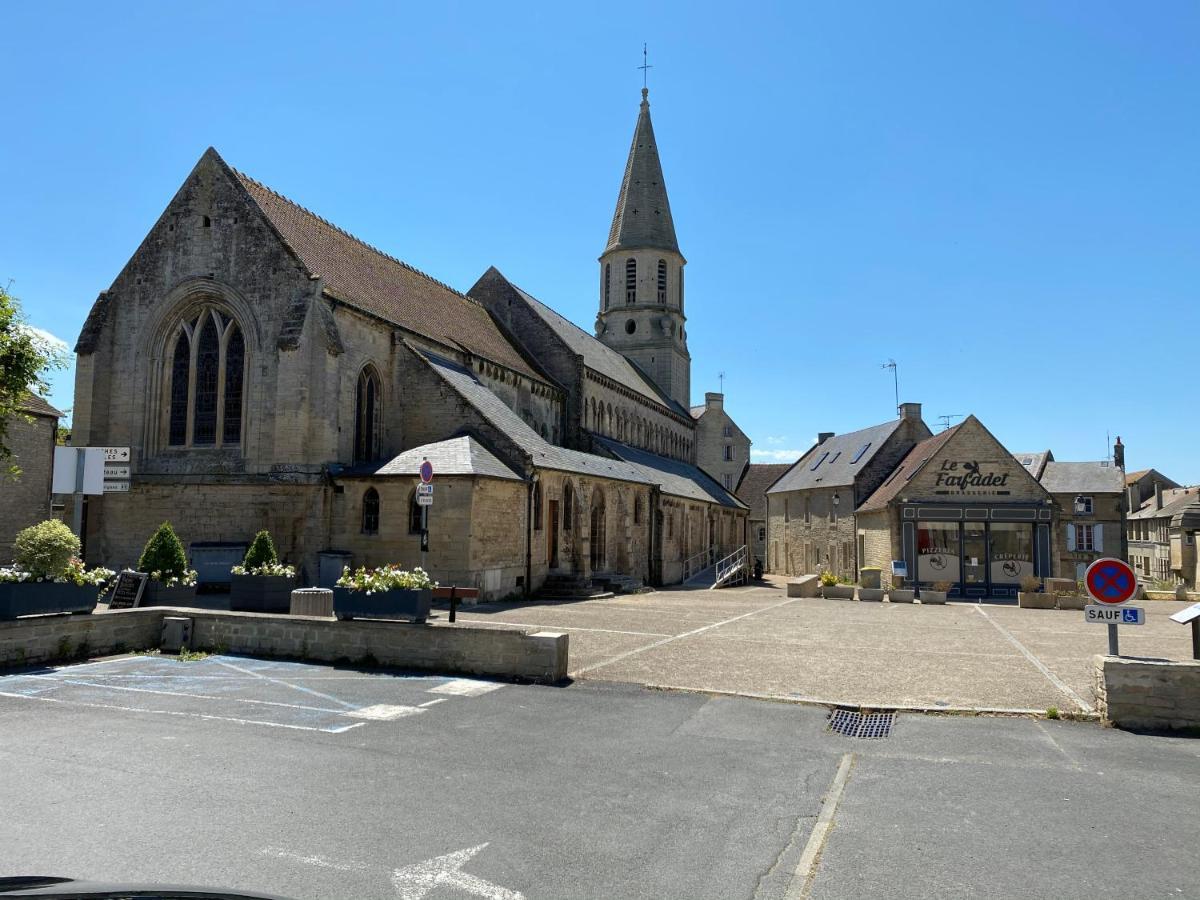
<point>891,364</point>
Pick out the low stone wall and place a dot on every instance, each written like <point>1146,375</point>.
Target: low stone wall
<point>804,586</point>
<point>1148,693</point>
<point>525,654</point>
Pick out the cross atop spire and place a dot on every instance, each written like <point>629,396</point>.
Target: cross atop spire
<point>644,66</point>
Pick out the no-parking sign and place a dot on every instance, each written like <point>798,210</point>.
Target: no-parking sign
<point>1110,581</point>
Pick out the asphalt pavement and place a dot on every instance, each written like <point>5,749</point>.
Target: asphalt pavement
<point>312,781</point>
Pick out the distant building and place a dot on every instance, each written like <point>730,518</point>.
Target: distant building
<point>722,449</point>
<point>810,510</point>
<point>1162,536</point>
<point>752,490</point>
<point>26,500</point>
<point>1143,483</point>
<point>1090,513</point>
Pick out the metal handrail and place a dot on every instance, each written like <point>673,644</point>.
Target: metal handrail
<point>698,563</point>
<point>732,567</point>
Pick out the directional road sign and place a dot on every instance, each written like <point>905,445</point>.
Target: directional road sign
<point>426,471</point>
<point>1115,615</point>
<point>1110,581</point>
<point>116,454</point>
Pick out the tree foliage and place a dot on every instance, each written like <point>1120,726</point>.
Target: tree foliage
<point>261,552</point>
<point>23,361</point>
<point>164,554</point>
<point>44,550</point>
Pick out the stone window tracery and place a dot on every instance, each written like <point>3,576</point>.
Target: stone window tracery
<point>207,377</point>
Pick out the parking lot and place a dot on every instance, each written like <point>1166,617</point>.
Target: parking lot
<point>756,641</point>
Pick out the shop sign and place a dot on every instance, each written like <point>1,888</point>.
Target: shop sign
<point>969,476</point>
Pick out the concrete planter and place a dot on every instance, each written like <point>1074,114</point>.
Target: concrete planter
<point>158,594</point>
<point>261,593</point>
<point>1071,601</point>
<point>870,595</point>
<point>933,598</point>
<point>1036,600</point>
<point>900,595</point>
<point>394,604</point>
<point>41,598</point>
<point>837,591</point>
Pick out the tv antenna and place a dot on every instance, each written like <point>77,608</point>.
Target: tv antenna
<point>891,364</point>
<point>721,379</point>
<point>945,420</point>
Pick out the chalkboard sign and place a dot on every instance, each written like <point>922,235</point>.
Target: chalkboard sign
<point>128,591</point>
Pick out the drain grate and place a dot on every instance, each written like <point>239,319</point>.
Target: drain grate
<point>856,724</point>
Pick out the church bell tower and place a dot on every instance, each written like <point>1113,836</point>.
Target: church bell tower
<point>641,272</point>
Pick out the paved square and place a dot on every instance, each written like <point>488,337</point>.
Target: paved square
<point>757,642</point>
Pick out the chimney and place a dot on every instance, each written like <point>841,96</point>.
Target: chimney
<point>823,436</point>
<point>910,411</point>
<point>1158,495</point>
<point>713,400</point>
<point>1119,454</point>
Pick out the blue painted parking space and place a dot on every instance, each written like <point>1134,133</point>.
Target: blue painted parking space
<point>267,693</point>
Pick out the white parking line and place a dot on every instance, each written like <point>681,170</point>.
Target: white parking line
<point>295,687</point>
<point>118,687</point>
<point>1041,667</point>
<point>465,687</point>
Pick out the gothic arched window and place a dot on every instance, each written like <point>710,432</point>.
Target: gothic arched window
<point>366,416</point>
<point>630,280</point>
<point>662,281</point>
<point>370,512</point>
<point>207,382</point>
<point>607,284</point>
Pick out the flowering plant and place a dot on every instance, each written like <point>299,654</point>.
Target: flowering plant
<point>75,573</point>
<point>166,579</point>
<point>385,578</point>
<point>13,575</point>
<point>278,570</point>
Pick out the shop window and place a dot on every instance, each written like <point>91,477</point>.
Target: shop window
<point>370,512</point>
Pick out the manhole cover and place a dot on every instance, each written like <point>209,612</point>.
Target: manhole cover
<point>856,724</point>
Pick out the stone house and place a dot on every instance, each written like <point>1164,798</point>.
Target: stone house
<point>1162,536</point>
<point>723,449</point>
<point>752,490</point>
<point>1142,484</point>
<point>1089,500</point>
<point>270,370</point>
<point>811,508</point>
<point>25,500</point>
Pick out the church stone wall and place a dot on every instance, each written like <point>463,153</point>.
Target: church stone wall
<point>615,413</point>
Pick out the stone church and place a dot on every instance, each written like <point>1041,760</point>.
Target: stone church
<point>270,370</point>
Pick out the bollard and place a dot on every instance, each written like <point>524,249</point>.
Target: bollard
<point>312,602</point>
<point>453,601</point>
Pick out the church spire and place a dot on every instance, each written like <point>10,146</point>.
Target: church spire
<point>642,220</point>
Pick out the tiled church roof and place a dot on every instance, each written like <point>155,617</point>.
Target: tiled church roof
<point>643,215</point>
<point>366,278</point>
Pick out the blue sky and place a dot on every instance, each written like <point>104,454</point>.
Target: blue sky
<point>1002,197</point>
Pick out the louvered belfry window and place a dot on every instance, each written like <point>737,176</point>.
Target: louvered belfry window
<point>662,281</point>
<point>630,280</point>
<point>207,382</point>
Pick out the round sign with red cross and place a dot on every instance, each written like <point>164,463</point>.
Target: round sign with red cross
<point>426,471</point>
<point>1110,581</point>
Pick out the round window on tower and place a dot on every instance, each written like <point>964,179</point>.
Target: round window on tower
<point>630,327</point>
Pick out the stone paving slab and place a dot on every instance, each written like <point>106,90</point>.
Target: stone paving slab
<point>754,640</point>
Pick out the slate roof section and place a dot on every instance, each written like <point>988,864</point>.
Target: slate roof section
<point>1175,501</point>
<point>837,470</point>
<point>642,219</point>
<point>542,453</point>
<point>903,473</point>
<point>1082,478</point>
<point>596,355</point>
<point>462,455</point>
<point>366,278</point>
<point>752,489</point>
<point>679,479</point>
<point>37,406</point>
<point>1034,463</point>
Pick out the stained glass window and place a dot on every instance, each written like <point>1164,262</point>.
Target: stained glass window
<point>370,512</point>
<point>208,367</point>
<point>180,365</point>
<point>235,356</point>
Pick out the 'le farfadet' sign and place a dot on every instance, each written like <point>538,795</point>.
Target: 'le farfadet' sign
<point>970,476</point>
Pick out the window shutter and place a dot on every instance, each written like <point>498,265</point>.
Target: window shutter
<point>1070,536</point>
<point>1098,538</point>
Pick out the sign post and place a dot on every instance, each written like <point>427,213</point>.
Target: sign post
<point>1191,615</point>
<point>1111,582</point>
<point>425,500</point>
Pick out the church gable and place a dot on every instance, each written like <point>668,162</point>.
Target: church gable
<point>970,465</point>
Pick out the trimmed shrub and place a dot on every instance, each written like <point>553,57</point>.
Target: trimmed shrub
<point>164,554</point>
<point>261,552</point>
<point>44,550</point>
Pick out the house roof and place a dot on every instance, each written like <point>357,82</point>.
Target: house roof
<point>37,406</point>
<point>369,279</point>
<point>697,411</point>
<point>1034,463</point>
<point>597,355</point>
<point>642,219</point>
<point>909,466</point>
<point>752,489</point>
<point>1131,477</point>
<point>1188,516</point>
<point>541,452</point>
<point>1174,502</point>
<point>462,455</point>
<point>673,477</point>
<point>839,459</point>
<point>1134,477</point>
<point>1082,478</point>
